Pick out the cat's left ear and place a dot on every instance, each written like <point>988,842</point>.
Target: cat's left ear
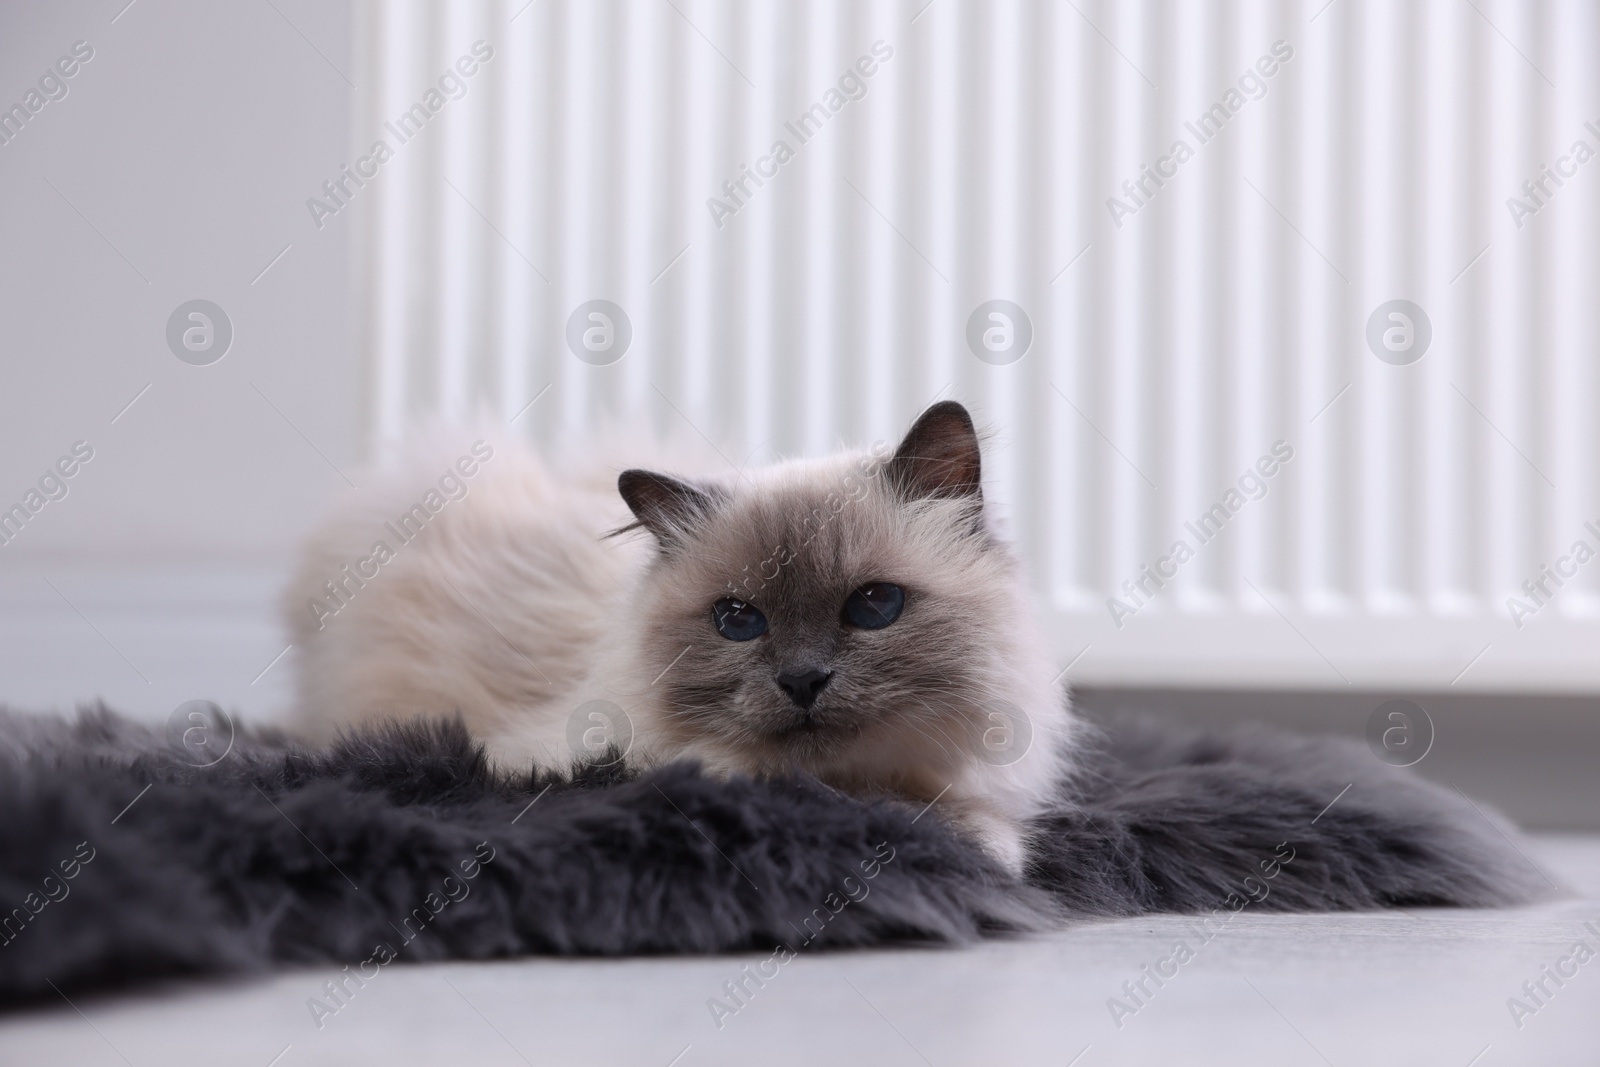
<point>665,506</point>
<point>939,456</point>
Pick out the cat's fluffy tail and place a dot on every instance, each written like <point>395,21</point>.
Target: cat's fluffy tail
<point>1171,819</point>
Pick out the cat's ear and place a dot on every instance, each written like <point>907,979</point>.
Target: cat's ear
<point>665,506</point>
<point>939,456</point>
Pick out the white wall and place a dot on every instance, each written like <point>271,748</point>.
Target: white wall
<point>175,168</point>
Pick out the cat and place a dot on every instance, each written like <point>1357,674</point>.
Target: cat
<point>857,618</point>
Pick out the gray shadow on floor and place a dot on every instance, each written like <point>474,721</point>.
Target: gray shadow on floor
<point>1533,757</point>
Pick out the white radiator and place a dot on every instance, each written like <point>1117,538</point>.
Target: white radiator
<point>1339,156</point>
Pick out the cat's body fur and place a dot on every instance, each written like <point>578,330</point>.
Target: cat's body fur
<point>515,609</point>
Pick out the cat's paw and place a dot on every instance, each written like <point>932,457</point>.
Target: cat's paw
<point>1005,844</point>
<point>1002,838</point>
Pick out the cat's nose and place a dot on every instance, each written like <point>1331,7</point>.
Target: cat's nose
<point>803,686</point>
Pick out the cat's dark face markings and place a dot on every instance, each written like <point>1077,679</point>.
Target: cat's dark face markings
<point>828,608</point>
<point>872,607</point>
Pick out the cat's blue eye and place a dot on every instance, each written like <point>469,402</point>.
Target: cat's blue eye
<point>874,606</point>
<point>737,620</point>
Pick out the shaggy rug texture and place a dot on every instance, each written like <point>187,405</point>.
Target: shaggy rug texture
<point>121,861</point>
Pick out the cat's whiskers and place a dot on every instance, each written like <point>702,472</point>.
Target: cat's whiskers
<point>933,717</point>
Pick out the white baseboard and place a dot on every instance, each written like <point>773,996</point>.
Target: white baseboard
<point>1258,650</point>
<point>143,638</point>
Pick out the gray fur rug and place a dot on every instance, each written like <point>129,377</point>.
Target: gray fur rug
<point>121,862</point>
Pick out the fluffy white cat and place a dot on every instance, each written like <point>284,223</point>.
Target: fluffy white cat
<point>854,617</point>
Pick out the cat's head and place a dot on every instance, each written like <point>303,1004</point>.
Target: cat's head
<point>851,616</point>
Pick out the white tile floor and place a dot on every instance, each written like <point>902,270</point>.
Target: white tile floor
<point>1428,987</point>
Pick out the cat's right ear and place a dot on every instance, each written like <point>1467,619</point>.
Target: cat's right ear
<point>670,509</point>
